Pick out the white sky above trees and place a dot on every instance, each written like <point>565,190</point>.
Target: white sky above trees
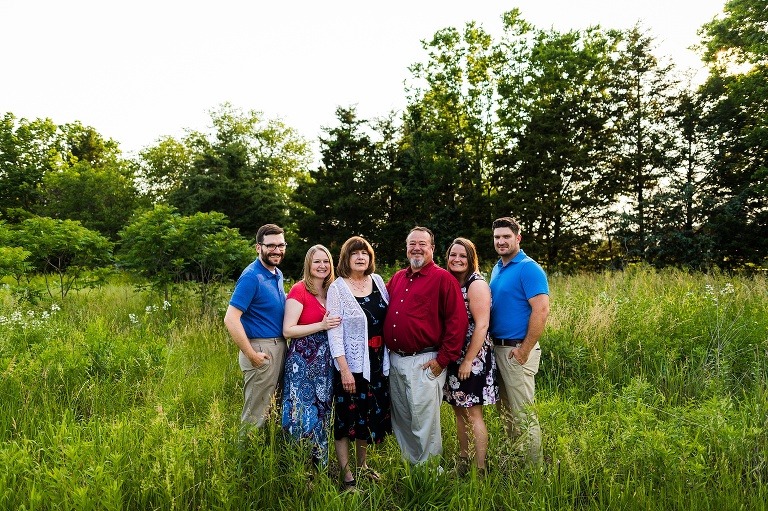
<point>138,70</point>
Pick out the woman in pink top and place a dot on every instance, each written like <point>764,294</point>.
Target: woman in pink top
<point>308,383</point>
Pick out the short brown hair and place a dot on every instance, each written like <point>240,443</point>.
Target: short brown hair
<point>472,263</point>
<point>507,221</point>
<point>423,229</point>
<point>307,275</point>
<point>351,245</point>
<point>267,230</point>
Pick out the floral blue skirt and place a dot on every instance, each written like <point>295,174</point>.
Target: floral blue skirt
<point>308,392</point>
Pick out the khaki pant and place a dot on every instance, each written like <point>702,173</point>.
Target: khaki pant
<point>415,396</point>
<point>516,393</point>
<point>262,382</point>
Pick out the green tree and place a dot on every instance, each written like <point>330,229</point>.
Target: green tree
<point>101,198</point>
<point>211,251</point>
<point>551,169</point>
<point>162,167</point>
<point>28,149</point>
<point>448,133</point>
<point>84,144</point>
<point>246,168</point>
<point>148,247</point>
<point>167,248</point>
<point>735,121</point>
<point>739,36</point>
<point>13,258</point>
<point>63,248</point>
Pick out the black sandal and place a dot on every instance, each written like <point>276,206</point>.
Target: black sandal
<point>349,486</point>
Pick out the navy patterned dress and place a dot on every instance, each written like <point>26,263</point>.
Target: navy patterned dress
<point>365,414</point>
<point>308,381</point>
<point>307,392</point>
<point>481,387</point>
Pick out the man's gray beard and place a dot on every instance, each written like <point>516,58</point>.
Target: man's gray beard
<point>417,263</point>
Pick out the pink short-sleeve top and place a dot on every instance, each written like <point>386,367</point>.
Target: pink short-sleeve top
<point>312,311</point>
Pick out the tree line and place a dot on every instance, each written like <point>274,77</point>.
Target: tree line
<point>605,153</point>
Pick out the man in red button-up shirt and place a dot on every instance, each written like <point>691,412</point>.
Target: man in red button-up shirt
<point>424,329</point>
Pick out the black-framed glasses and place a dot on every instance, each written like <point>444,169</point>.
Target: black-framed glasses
<point>272,246</point>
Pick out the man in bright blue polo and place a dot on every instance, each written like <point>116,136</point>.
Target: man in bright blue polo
<point>519,310</point>
<point>255,322</point>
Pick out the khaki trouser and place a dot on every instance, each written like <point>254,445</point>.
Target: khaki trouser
<point>262,382</point>
<point>415,396</point>
<point>516,393</point>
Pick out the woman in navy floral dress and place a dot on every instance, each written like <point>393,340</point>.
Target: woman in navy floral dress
<point>471,380</point>
<point>307,385</point>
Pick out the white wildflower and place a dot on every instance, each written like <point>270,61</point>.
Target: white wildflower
<point>133,319</point>
<point>166,305</point>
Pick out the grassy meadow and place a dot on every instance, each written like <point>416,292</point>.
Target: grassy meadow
<point>652,395</point>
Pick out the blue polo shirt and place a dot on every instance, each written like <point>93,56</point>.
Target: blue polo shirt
<point>260,295</point>
<point>512,285</point>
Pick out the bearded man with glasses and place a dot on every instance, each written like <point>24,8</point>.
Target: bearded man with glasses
<point>254,319</point>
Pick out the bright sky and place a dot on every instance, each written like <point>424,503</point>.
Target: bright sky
<point>139,70</point>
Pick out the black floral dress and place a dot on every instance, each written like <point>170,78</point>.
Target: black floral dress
<point>481,387</point>
<point>365,414</point>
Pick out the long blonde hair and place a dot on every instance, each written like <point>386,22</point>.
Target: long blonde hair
<point>306,277</point>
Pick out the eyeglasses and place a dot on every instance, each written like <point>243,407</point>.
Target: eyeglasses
<point>420,244</point>
<point>272,246</point>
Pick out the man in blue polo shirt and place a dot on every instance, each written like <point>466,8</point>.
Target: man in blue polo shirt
<point>255,321</point>
<point>519,310</point>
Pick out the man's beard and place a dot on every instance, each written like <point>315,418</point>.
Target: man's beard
<point>265,259</point>
<point>417,263</point>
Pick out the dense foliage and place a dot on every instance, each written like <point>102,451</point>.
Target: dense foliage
<point>604,151</point>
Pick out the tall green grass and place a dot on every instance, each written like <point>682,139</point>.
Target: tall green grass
<point>652,395</point>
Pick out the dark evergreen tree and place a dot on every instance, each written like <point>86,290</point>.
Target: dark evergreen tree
<point>352,192</point>
<point>642,97</point>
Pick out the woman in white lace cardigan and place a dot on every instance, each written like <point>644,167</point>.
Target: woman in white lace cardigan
<point>361,388</point>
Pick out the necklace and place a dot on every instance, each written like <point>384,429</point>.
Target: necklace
<point>360,288</point>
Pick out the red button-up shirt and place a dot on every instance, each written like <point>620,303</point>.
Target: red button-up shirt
<point>426,309</point>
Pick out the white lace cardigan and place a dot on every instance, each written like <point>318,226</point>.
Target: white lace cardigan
<point>351,337</point>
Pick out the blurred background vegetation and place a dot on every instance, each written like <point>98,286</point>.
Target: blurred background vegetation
<point>602,149</point>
